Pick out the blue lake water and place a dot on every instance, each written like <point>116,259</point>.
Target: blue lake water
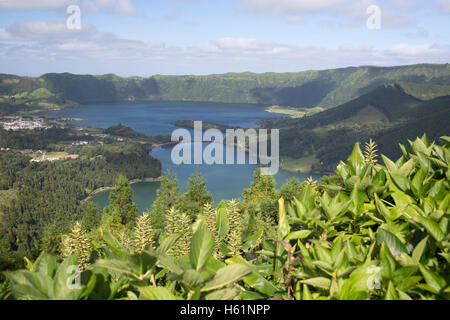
<point>153,118</point>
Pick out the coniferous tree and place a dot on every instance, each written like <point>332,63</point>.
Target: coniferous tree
<point>262,188</point>
<point>196,196</point>
<point>91,216</point>
<point>166,197</point>
<point>291,189</point>
<point>263,192</point>
<point>121,208</point>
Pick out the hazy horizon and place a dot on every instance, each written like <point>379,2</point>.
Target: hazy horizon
<point>224,73</point>
<point>200,37</point>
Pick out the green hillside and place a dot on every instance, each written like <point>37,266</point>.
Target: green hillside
<point>388,114</point>
<point>425,91</point>
<point>326,88</point>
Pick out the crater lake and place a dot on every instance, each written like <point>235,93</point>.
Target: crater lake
<point>152,118</point>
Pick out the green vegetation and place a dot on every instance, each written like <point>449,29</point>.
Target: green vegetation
<point>121,211</point>
<point>125,132</point>
<point>38,139</point>
<point>425,91</point>
<point>308,89</point>
<point>41,200</point>
<point>371,232</point>
<point>388,114</point>
<point>303,165</point>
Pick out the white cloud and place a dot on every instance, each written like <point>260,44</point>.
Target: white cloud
<point>294,6</point>
<point>404,49</point>
<point>409,5</point>
<point>46,46</point>
<point>4,35</point>
<point>35,4</point>
<point>123,7</point>
<point>244,45</point>
<point>343,12</point>
<point>44,30</point>
<point>443,6</point>
<point>105,3</point>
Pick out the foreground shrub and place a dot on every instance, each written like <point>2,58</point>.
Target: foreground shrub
<point>382,233</point>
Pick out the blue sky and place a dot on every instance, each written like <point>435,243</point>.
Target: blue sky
<point>142,37</point>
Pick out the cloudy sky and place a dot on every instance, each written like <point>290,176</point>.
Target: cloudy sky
<point>147,37</point>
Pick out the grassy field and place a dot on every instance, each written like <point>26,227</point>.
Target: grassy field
<point>295,112</point>
<point>58,155</point>
<point>302,165</point>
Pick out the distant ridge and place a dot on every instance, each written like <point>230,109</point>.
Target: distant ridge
<point>388,114</point>
<point>325,88</point>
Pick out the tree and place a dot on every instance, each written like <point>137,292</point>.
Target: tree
<point>263,192</point>
<point>91,216</point>
<point>166,197</point>
<point>122,209</point>
<point>291,189</point>
<point>197,195</point>
<point>262,187</point>
<point>52,238</point>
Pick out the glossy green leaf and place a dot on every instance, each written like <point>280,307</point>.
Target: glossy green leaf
<point>432,227</point>
<point>283,223</point>
<point>319,282</point>
<point>419,249</point>
<point>227,275</point>
<point>156,293</point>
<point>202,246</point>
<point>433,280</point>
<point>298,235</point>
<point>394,244</point>
<point>222,224</point>
<point>391,293</point>
<point>224,294</point>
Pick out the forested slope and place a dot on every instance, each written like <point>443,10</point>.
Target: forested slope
<point>387,114</point>
<point>326,88</point>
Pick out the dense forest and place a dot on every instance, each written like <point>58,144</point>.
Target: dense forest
<point>371,231</point>
<point>38,199</point>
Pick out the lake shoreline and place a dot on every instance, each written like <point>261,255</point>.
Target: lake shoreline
<point>319,173</point>
<point>134,181</point>
<point>224,182</point>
